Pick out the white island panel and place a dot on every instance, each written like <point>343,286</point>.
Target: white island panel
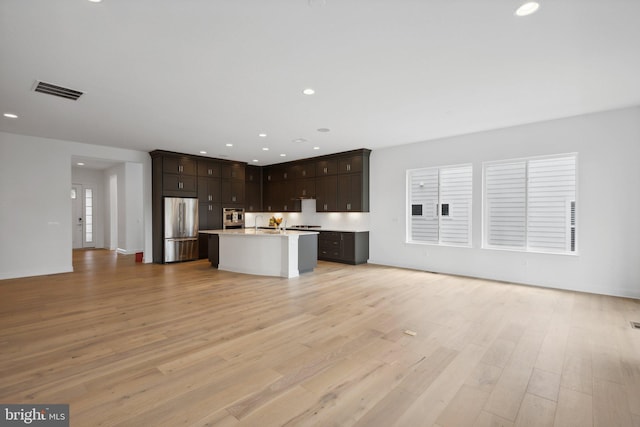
<point>253,255</point>
<point>260,252</point>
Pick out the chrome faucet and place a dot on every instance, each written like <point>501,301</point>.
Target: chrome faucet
<point>256,224</point>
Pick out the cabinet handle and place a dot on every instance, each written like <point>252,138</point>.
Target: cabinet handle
<point>210,171</point>
<point>285,175</point>
<point>326,170</point>
<point>348,206</point>
<point>180,185</point>
<point>210,208</point>
<point>304,192</point>
<point>180,168</point>
<point>304,173</point>
<point>325,206</point>
<point>210,197</point>
<point>233,198</point>
<point>348,167</point>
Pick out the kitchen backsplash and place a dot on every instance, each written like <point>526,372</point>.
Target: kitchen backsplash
<point>340,221</point>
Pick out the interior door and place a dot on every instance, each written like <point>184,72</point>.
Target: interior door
<point>77,217</point>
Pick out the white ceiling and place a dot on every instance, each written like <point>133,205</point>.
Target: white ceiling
<point>92,163</point>
<point>189,75</point>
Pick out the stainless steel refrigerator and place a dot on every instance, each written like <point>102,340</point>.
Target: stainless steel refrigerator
<point>180,229</point>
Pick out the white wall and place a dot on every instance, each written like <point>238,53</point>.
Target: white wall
<point>134,210</point>
<point>120,172</point>
<point>608,147</point>
<point>129,206</point>
<point>35,218</point>
<point>111,210</point>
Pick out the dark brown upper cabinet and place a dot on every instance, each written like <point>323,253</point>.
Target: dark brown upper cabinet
<point>209,168</point>
<point>233,170</point>
<point>326,167</point>
<point>182,165</point>
<point>350,164</point>
<point>305,170</point>
<point>176,175</point>
<point>253,189</point>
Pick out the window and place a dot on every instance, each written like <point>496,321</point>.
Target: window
<point>88,215</point>
<point>440,205</point>
<point>530,204</point>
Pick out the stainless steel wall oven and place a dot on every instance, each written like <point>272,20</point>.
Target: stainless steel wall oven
<point>232,218</point>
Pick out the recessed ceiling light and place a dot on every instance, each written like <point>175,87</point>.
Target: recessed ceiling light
<point>308,91</point>
<point>80,164</point>
<point>323,129</point>
<point>262,135</point>
<point>265,148</point>
<point>229,145</point>
<point>299,140</point>
<point>95,1</point>
<point>527,8</point>
<point>283,155</point>
<point>10,115</point>
<point>203,152</point>
<point>316,148</point>
<point>255,160</point>
<point>320,3</point>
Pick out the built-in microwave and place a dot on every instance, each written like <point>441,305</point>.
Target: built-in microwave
<point>232,218</point>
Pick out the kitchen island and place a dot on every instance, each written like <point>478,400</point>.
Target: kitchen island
<point>263,252</point>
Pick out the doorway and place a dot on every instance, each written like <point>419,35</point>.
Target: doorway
<point>82,212</point>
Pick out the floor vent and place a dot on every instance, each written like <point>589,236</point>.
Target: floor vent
<point>635,325</point>
<point>55,90</point>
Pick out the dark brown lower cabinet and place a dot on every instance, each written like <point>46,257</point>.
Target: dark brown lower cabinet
<point>210,218</point>
<point>213,244</point>
<point>350,247</point>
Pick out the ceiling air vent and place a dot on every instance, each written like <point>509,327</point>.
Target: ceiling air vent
<point>56,90</point>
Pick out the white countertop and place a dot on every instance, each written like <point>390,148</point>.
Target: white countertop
<point>258,232</point>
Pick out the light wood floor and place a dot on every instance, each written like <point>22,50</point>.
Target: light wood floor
<point>151,345</point>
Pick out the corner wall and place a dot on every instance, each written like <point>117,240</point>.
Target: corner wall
<point>35,219</point>
<point>608,147</point>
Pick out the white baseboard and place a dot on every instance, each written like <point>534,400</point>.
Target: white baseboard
<point>125,251</point>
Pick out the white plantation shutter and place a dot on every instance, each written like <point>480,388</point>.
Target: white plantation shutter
<point>530,204</point>
<point>552,187</point>
<point>442,197</point>
<point>506,202</point>
<point>455,191</point>
<point>424,192</point>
